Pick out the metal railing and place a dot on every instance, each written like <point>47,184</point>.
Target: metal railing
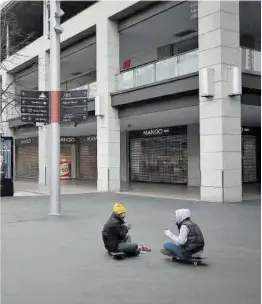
<point>172,67</point>
<point>251,60</point>
<point>90,87</point>
<point>176,66</point>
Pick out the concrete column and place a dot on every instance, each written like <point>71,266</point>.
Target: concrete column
<point>108,127</point>
<point>124,159</point>
<point>220,116</point>
<point>73,161</point>
<point>43,132</point>
<point>8,99</point>
<point>193,148</point>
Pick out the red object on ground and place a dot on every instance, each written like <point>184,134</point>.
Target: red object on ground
<point>143,247</point>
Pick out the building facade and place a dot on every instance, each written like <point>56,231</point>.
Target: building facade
<point>143,60</point>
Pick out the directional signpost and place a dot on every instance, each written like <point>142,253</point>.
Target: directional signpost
<point>35,107</point>
<point>74,106</point>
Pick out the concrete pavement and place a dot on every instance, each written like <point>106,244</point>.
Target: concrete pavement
<point>62,260</point>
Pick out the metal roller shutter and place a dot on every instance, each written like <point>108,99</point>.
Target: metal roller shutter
<point>27,162</point>
<point>159,159</point>
<point>249,158</point>
<point>88,158</point>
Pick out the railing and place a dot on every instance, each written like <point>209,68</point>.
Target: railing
<point>91,89</point>
<point>180,65</point>
<point>251,60</point>
<point>13,112</point>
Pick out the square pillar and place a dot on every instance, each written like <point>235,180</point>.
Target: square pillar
<point>108,126</point>
<point>220,116</point>
<point>124,157</point>
<point>43,132</point>
<point>193,148</point>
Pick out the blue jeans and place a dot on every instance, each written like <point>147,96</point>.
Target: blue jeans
<point>174,249</point>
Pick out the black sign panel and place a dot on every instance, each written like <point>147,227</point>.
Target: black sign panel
<point>33,102</point>
<point>74,102</point>
<point>74,106</point>
<point>34,119</point>
<point>73,94</point>
<point>74,118</point>
<point>156,132</point>
<point>35,110</point>
<point>35,107</point>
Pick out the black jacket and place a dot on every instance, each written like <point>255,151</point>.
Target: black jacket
<point>114,232</point>
<point>195,240</point>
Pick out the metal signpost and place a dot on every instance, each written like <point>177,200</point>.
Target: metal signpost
<point>74,106</point>
<point>35,107</point>
<point>55,30</point>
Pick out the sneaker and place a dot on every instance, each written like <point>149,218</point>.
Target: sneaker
<point>144,248</point>
<point>165,252</point>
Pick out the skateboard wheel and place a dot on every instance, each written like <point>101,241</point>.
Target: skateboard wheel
<point>196,263</point>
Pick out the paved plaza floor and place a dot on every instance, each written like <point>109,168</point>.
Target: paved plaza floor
<point>62,260</point>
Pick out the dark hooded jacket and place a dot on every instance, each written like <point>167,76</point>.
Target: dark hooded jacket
<point>114,232</point>
<point>195,240</point>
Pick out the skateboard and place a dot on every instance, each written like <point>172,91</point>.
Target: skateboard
<point>195,260</point>
<point>117,255</point>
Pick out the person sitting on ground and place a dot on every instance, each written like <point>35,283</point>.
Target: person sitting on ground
<point>190,239</point>
<point>115,233</point>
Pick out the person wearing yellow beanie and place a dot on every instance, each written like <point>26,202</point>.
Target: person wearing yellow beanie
<point>115,233</point>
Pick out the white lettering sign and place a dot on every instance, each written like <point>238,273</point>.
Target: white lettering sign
<point>67,140</point>
<point>155,132</point>
<point>26,141</point>
<point>91,138</point>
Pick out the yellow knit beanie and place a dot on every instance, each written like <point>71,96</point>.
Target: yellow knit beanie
<point>119,208</point>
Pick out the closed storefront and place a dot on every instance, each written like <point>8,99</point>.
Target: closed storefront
<point>67,157</point>
<point>250,155</point>
<point>159,155</point>
<point>88,157</point>
<point>26,154</point>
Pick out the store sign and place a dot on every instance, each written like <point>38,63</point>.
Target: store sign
<point>156,132</point>
<point>91,138</point>
<point>245,129</point>
<point>26,141</point>
<point>67,140</point>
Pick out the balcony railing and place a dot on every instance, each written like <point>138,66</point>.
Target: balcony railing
<point>13,112</point>
<point>251,60</point>
<point>91,89</point>
<point>180,65</point>
<point>183,64</point>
